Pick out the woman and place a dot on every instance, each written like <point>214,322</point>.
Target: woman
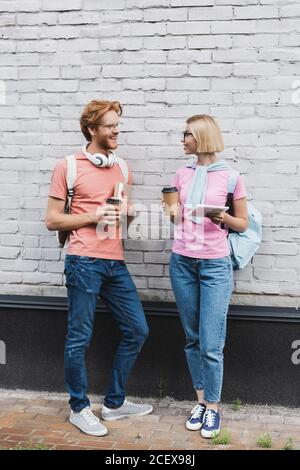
<point>200,264</point>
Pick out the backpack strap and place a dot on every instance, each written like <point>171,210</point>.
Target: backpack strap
<point>230,190</point>
<point>71,176</point>
<point>124,168</point>
<point>72,172</point>
<point>232,181</point>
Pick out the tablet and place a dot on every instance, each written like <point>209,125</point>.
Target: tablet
<point>203,209</point>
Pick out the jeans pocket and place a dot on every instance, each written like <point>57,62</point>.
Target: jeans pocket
<point>175,258</point>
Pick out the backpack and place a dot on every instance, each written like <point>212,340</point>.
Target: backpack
<point>243,245</point>
<point>62,236</point>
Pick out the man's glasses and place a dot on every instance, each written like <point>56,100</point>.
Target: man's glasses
<point>110,126</point>
<point>186,134</point>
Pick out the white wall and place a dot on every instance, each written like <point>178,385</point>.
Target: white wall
<point>164,60</point>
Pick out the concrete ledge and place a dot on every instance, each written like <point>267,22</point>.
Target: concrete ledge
<point>259,366</point>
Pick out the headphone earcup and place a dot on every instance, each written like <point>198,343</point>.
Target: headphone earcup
<point>100,159</point>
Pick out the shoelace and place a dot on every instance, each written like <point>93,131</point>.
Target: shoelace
<point>196,411</point>
<point>210,418</point>
<point>89,416</point>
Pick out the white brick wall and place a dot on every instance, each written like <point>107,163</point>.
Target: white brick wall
<point>164,60</point>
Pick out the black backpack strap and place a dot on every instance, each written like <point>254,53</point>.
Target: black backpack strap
<point>229,201</point>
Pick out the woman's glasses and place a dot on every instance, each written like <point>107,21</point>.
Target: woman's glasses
<point>186,134</point>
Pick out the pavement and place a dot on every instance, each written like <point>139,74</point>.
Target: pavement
<point>39,420</point>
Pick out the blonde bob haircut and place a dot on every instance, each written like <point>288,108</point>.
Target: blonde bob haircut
<point>93,112</point>
<point>207,133</point>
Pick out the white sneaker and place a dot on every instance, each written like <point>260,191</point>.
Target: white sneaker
<point>127,409</point>
<point>87,422</point>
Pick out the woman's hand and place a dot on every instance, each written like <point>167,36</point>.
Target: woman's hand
<point>216,218</point>
<point>174,217</point>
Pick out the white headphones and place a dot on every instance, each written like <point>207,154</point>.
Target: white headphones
<point>99,159</point>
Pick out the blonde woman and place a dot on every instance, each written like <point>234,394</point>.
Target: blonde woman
<point>200,264</point>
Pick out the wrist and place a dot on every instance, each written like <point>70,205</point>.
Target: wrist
<point>225,220</point>
<point>91,217</point>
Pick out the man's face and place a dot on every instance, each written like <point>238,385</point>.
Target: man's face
<point>106,135</point>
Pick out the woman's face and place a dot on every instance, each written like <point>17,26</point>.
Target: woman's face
<point>189,142</point>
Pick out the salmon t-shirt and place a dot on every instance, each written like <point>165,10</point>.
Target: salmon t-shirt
<point>207,240</point>
<point>92,187</point>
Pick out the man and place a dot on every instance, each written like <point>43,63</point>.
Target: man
<point>94,265</point>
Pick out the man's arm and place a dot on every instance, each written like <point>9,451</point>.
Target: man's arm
<point>56,219</point>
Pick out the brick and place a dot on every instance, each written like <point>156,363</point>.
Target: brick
<point>188,28</point>
<point>105,5</point>
<point>210,70</point>
<point>37,18</point>
<point>209,42</point>
<point>166,14</point>
<point>190,3</point>
<point>56,5</point>
<point>233,27</point>
<point>146,3</point>
<point>165,43</point>
<point>11,5</point>
<point>251,12</point>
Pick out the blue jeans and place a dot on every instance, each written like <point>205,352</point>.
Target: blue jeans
<point>86,278</point>
<point>202,289</point>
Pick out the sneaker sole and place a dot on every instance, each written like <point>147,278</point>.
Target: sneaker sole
<point>193,427</point>
<point>99,433</point>
<point>210,434</point>
<point>114,418</point>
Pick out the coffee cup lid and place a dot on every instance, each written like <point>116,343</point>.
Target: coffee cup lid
<point>171,189</point>
<point>113,200</point>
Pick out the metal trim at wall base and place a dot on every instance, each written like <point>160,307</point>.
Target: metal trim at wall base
<point>236,312</point>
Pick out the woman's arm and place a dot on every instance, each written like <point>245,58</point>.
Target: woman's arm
<point>239,222</point>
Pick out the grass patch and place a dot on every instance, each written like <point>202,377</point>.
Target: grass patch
<point>264,441</point>
<point>236,406</point>
<point>222,439</point>
<point>29,446</point>
<point>289,445</point>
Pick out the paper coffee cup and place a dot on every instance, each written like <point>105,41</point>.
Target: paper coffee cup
<point>171,199</point>
<point>114,201</point>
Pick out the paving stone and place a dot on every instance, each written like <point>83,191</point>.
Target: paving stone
<point>45,421</point>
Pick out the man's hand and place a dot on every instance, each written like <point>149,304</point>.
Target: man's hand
<point>108,214</point>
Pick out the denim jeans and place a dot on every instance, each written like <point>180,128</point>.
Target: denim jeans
<point>202,289</point>
<point>86,279</point>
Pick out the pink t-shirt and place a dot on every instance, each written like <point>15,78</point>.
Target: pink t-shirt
<point>206,240</point>
<point>91,189</point>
